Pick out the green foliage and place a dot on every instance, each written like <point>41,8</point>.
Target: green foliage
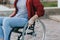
<point>49,4</point>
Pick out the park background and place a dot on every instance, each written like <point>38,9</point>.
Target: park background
<point>51,19</point>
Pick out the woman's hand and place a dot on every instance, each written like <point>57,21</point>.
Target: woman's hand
<point>32,20</point>
<point>13,14</point>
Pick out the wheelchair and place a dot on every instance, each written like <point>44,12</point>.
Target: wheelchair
<point>25,31</point>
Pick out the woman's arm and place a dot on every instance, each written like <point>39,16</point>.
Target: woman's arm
<point>13,14</point>
<point>39,11</point>
<point>39,8</point>
<point>31,21</point>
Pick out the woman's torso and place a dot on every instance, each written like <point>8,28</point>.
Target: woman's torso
<point>22,10</point>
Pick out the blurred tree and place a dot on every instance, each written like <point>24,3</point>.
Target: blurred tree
<point>1,1</point>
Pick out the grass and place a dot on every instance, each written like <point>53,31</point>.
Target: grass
<point>50,4</point>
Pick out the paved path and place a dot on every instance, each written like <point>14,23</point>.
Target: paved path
<point>53,29</point>
<point>55,17</point>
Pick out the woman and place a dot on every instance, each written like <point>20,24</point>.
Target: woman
<point>25,10</point>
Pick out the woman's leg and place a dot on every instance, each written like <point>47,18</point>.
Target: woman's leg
<point>1,20</point>
<point>12,22</point>
<point>1,31</point>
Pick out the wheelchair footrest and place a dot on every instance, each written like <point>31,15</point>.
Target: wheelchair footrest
<point>30,33</point>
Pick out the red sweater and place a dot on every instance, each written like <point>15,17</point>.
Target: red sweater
<point>33,7</point>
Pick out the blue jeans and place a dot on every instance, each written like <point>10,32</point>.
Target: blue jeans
<point>1,31</point>
<point>9,22</point>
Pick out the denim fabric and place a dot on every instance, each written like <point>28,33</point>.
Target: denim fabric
<point>6,23</point>
<point>1,32</point>
<point>12,22</point>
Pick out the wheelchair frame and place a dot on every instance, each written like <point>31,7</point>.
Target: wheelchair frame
<point>25,28</point>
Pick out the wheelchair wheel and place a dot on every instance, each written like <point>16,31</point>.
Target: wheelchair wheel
<point>38,34</point>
